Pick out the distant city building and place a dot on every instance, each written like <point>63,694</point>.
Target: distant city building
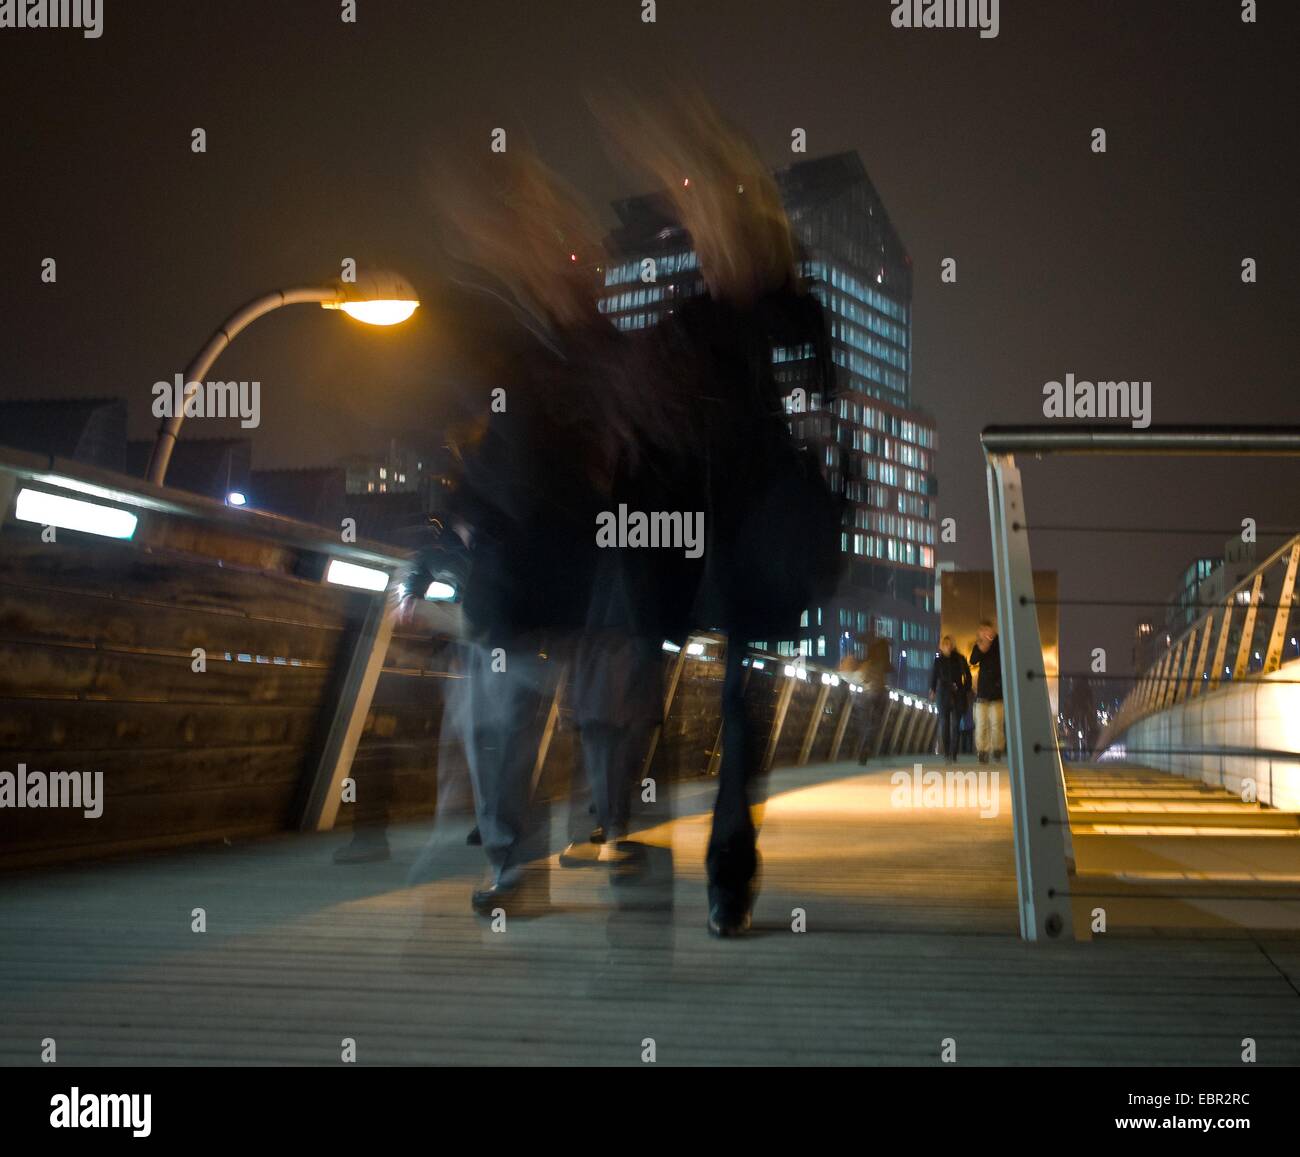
<point>89,430</point>
<point>1204,584</point>
<point>1201,583</point>
<point>1148,641</point>
<point>1088,704</point>
<point>398,470</point>
<point>214,467</point>
<point>860,271</point>
<point>1202,587</point>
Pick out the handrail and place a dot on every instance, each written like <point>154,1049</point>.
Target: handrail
<point>124,489</point>
<point>1111,439</point>
<point>1151,671</point>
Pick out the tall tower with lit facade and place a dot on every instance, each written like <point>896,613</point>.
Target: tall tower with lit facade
<point>857,266</point>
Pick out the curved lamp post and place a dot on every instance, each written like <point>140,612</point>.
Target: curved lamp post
<point>375,298</point>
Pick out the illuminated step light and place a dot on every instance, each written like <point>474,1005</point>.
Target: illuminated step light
<point>440,592</point>
<point>801,673</point>
<point>789,671</point>
<point>826,679</point>
<point>673,647</point>
<point>759,665</point>
<point>349,574</point>
<point>835,680</point>
<point>236,498</point>
<point>695,648</point>
<point>74,514</point>
<point>893,695</point>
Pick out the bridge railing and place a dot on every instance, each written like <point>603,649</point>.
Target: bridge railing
<point>208,663</point>
<point>1044,854</point>
<point>1220,700</point>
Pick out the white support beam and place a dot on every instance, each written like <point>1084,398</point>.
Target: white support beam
<point>1277,639</point>
<point>1039,818</point>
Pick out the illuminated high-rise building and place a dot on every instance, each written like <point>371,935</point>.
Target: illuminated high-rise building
<point>857,266</point>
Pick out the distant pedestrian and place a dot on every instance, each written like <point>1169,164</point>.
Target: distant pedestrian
<point>949,688</point>
<point>987,656</point>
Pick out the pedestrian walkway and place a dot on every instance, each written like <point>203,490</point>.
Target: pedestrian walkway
<point>911,939</point>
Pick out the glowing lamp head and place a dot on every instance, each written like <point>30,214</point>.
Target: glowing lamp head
<point>378,298</point>
<point>236,498</point>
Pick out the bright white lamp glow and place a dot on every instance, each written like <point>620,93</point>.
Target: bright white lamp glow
<point>695,648</point>
<point>440,592</point>
<point>74,514</point>
<point>349,574</point>
<point>235,498</point>
<point>391,312</point>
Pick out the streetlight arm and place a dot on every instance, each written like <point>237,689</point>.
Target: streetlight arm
<point>198,369</point>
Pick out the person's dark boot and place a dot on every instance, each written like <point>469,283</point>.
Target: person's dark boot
<point>731,910</point>
<point>728,918</point>
<point>524,893</point>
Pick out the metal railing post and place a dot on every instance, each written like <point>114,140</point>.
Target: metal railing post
<point>1277,638</point>
<point>814,723</point>
<point>846,713</point>
<point>365,662</point>
<point>1040,820</point>
<point>782,706</point>
<point>1242,666</point>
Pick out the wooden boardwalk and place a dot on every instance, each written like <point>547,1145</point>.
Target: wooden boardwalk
<point>911,938</point>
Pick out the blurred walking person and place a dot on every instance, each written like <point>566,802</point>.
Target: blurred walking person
<point>771,523</point>
<point>529,491</point>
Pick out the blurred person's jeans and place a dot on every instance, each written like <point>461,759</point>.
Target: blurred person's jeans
<point>988,726</point>
<point>950,714</point>
<point>506,714</point>
<point>732,857</point>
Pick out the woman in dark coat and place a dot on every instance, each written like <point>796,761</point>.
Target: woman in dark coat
<point>772,526</point>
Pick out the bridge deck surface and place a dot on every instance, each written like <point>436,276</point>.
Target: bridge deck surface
<point>911,938</point>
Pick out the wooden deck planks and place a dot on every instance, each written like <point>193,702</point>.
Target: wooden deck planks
<point>912,937</point>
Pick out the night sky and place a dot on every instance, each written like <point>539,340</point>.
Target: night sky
<point>323,138</point>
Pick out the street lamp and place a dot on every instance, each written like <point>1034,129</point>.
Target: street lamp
<point>378,298</point>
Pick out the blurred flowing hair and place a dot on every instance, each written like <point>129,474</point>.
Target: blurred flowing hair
<point>720,190</point>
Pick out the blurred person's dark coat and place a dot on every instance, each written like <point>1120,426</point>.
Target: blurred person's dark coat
<point>771,526</point>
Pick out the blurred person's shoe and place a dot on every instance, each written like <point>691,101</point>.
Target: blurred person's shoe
<point>527,893</point>
<point>730,912</point>
<point>617,851</point>
<point>729,918</point>
<point>997,756</point>
<point>580,854</point>
<point>475,837</point>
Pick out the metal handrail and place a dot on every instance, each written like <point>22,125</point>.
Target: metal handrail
<point>1229,600</point>
<point>48,470</point>
<point>1109,439</point>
